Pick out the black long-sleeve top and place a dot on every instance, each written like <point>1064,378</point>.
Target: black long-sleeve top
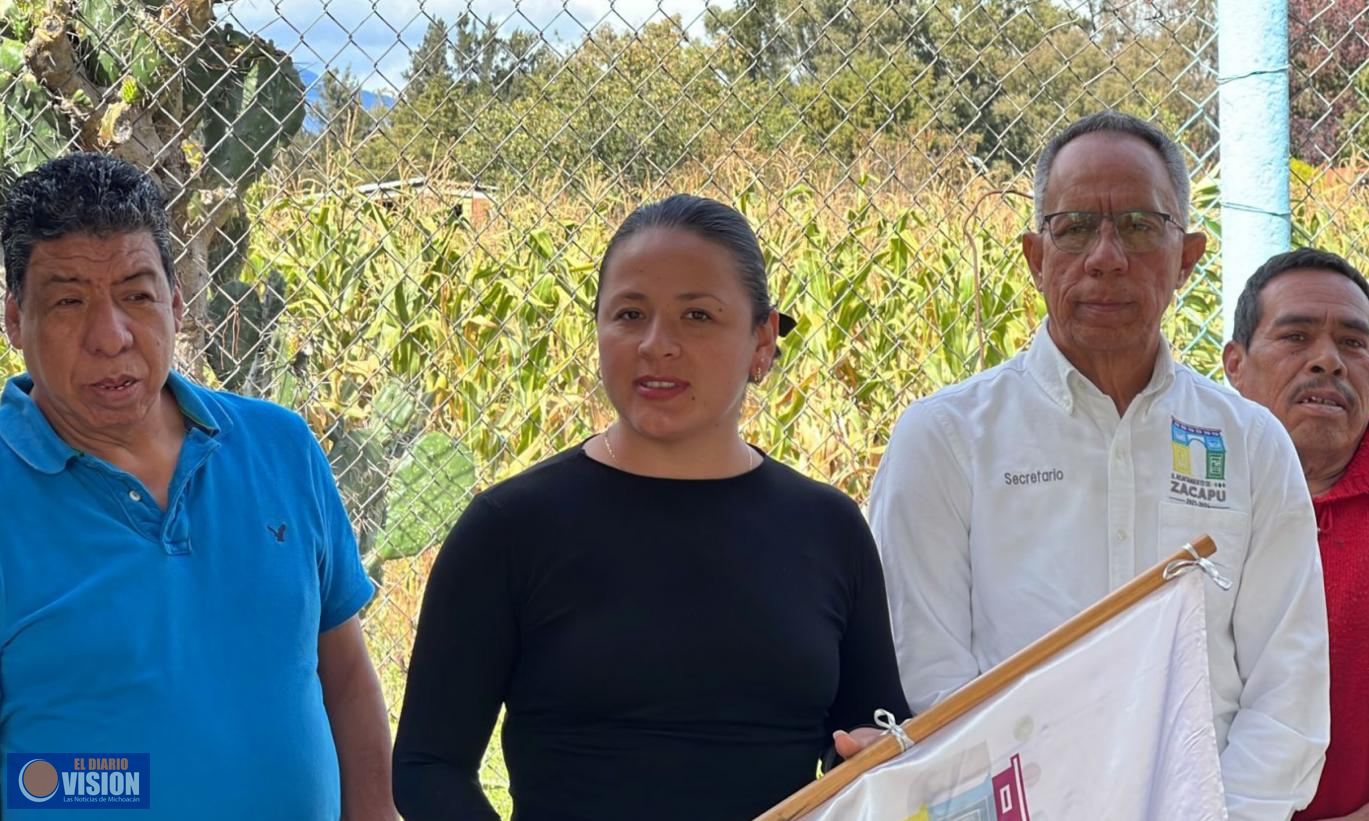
<point>666,649</point>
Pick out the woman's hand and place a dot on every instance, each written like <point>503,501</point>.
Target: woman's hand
<point>850,743</point>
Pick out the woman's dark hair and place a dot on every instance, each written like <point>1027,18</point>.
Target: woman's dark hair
<point>712,221</point>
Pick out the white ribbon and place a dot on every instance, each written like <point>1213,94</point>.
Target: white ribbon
<point>885,721</point>
<point>1211,569</point>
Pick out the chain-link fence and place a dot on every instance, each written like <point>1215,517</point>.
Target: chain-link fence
<point>1329,107</point>
<point>390,215</point>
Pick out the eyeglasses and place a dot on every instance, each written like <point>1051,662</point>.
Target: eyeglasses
<point>1075,232</point>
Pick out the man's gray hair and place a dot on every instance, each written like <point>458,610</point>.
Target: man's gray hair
<point>1119,123</point>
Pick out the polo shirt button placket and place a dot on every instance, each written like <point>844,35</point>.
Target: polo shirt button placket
<point>176,530</point>
<point>146,516</point>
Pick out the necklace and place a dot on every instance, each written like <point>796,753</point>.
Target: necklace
<point>608,446</point>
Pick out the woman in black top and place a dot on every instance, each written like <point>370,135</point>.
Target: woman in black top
<point>676,624</point>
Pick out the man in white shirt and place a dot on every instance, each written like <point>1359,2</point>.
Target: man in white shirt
<point>1008,503</point>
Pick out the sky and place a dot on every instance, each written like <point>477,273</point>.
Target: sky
<point>374,38</point>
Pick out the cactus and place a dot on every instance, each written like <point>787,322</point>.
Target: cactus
<point>30,130</point>
<point>427,491</point>
<point>200,106</point>
<point>242,318</point>
<point>252,99</point>
<point>401,486</point>
<point>204,109</point>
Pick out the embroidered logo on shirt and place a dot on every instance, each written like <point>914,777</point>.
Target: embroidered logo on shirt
<point>278,532</point>
<point>1199,475</point>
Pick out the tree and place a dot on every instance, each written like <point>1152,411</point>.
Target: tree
<point>457,75</point>
<point>757,37</point>
<point>430,70</point>
<point>199,106</point>
<point>344,123</point>
<point>420,122</point>
<point>984,79</point>
<point>1328,44</point>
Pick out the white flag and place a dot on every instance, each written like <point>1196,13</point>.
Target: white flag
<point>1118,726</point>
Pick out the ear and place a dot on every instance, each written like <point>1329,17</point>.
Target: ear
<point>766,333</point>
<point>1034,249</point>
<point>177,308</point>
<point>1195,244</point>
<point>13,325</point>
<point>1233,358</point>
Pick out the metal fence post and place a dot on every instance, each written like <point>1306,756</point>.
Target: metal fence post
<point>1252,68</point>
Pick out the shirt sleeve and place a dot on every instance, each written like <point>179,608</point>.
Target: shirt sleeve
<point>920,514</point>
<point>459,673</point>
<point>1278,738</point>
<point>344,587</point>
<point>869,678</point>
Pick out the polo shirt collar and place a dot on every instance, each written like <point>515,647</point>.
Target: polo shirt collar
<point>1066,385</point>
<point>27,432</point>
<point>198,405</point>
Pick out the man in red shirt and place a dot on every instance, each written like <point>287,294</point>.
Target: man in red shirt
<point>1300,347</point>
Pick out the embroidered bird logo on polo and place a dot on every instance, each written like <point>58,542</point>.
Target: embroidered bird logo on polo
<point>1199,465</point>
<point>278,532</point>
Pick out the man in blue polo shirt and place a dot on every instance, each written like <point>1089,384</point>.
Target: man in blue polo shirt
<point>179,582</point>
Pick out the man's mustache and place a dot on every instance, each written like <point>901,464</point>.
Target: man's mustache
<point>1320,383</point>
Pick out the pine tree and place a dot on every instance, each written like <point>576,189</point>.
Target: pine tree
<point>430,69</point>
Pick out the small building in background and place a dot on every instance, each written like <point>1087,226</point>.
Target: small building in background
<point>466,201</point>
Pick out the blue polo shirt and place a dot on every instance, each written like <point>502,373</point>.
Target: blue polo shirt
<point>188,635</point>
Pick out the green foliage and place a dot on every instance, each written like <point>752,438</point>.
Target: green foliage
<point>30,131</point>
<point>242,316</point>
<point>345,121</point>
<point>488,336</point>
<point>864,97</point>
<point>118,47</point>
<point>251,99</point>
<point>431,65</point>
<point>841,80</point>
<point>199,105</point>
<point>86,70</point>
<point>427,492</point>
<point>403,489</point>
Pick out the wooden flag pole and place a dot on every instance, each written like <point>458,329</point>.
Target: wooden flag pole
<point>986,686</point>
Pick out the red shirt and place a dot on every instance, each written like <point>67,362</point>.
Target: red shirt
<point>1343,533</point>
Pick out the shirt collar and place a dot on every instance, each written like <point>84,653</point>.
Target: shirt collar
<point>1066,385</point>
<point>27,432</point>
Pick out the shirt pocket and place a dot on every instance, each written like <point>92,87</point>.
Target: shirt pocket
<point>1181,524</point>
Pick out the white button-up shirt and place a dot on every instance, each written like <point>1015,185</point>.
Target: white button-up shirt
<point>1010,502</point>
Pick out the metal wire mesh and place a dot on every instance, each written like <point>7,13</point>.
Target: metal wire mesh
<point>390,215</point>
<point>1329,106</point>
